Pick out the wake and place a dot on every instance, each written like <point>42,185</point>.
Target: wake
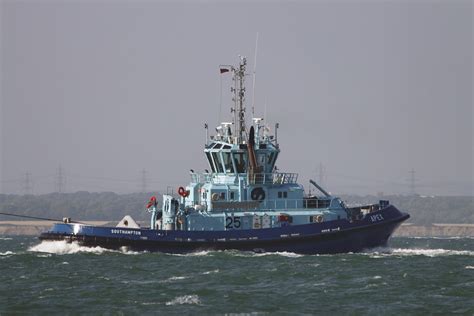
<point>407,252</point>
<point>63,247</point>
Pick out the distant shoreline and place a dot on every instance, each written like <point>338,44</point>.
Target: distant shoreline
<point>435,230</point>
<point>34,228</point>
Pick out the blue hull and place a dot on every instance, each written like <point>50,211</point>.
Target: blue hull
<point>336,236</point>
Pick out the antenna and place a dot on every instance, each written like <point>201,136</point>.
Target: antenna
<point>254,76</point>
<point>265,110</point>
<point>239,100</point>
<point>220,101</point>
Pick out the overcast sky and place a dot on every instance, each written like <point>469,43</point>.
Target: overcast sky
<point>105,89</point>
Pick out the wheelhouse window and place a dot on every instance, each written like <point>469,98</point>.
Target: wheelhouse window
<point>229,168</point>
<point>240,161</point>
<point>271,160</point>
<point>218,162</point>
<point>261,158</point>
<point>211,164</point>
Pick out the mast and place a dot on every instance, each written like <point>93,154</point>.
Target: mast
<point>239,99</point>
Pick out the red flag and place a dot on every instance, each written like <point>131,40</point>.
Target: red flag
<point>224,70</point>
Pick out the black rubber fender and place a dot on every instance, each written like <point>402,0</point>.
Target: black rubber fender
<point>258,194</point>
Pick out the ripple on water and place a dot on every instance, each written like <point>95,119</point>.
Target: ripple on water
<point>185,299</point>
<point>384,252</point>
<point>175,278</point>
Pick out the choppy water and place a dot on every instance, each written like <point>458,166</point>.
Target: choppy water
<point>413,276</point>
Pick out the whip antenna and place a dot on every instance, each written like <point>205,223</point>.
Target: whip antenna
<point>254,75</point>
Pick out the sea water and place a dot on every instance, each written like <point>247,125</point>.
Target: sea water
<point>411,276</point>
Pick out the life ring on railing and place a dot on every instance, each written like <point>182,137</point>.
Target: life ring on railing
<point>183,192</point>
<point>215,196</point>
<point>152,202</point>
<point>319,219</point>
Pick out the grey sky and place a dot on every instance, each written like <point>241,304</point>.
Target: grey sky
<point>106,89</point>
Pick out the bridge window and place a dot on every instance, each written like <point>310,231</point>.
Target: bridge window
<point>218,162</point>
<point>229,168</point>
<point>240,160</point>
<point>261,159</point>
<point>271,160</point>
<point>209,159</point>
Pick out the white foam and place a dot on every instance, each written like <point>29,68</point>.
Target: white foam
<point>192,254</point>
<point>63,247</point>
<point>283,254</point>
<point>186,299</point>
<point>174,278</point>
<point>469,267</point>
<point>7,253</point>
<point>5,238</point>
<point>383,252</point>
<point>44,255</point>
<point>209,272</point>
<point>431,252</point>
<point>263,254</point>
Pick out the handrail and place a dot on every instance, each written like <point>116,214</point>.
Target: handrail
<point>275,205</point>
<point>257,178</point>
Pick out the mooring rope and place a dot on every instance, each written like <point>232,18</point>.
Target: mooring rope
<point>35,217</point>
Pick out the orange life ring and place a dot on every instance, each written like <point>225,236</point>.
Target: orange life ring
<point>151,202</point>
<point>182,192</point>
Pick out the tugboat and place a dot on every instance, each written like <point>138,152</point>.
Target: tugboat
<point>243,203</point>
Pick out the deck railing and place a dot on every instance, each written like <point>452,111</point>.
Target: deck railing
<point>271,205</point>
<point>257,178</point>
